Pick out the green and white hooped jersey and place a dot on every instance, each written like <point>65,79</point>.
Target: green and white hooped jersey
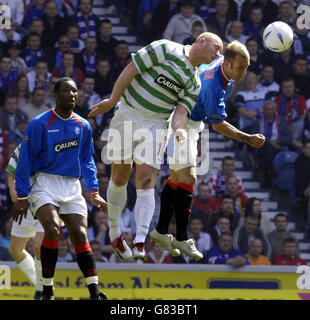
<point>166,78</point>
<point>11,167</point>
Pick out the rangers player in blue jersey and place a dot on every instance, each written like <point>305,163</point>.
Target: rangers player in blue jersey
<point>217,79</point>
<point>56,152</point>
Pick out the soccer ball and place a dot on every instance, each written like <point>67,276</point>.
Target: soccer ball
<point>278,36</point>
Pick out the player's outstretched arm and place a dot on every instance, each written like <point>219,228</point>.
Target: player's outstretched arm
<point>120,86</point>
<point>228,130</point>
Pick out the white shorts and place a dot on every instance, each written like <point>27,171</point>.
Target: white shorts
<point>133,134</point>
<point>64,193</point>
<point>28,227</point>
<point>185,155</point>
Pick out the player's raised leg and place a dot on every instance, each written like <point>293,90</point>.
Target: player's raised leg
<point>117,197</point>
<point>77,228</point>
<point>48,216</point>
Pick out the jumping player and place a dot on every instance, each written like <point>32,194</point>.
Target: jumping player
<point>217,80</point>
<point>58,149</point>
<point>161,78</point>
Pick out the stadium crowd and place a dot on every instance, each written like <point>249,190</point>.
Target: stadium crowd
<point>56,38</point>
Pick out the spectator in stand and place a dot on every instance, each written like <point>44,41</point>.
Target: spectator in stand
<point>226,210</point>
<point>249,231</point>
<point>253,25</point>
<point>267,83</point>
<point>285,13</point>
<point>96,248</point>
<point>218,21</point>
<point>289,256</point>
<point>205,8</point>
<point>218,181</point>
<point>268,125</point>
<point>67,8</point>
<point>49,94</point>
<point>81,107</point>
<point>18,63</point>
<point>269,8</point>
<point>279,234</point>
<point>234,31</point>
<point>73,32</point>
<point>224,253</point>
<point>3,146</point>
<point>39,76</point>
<point>37,26</point>
<point>239,197</point>
<point>104,78</point>
<point>106,42</point>
<point>249,102</point>
<point>86,60</point>
<point>158,255</point>
<point>68,69</point>
<point>121,58</point>
<point>222,226</point>
<point>33,52</point>
<point>21,126</point>
<point>64,254</point>
<point>35,11</point>
<point>9,113</point>
<point>291,107</point>
<point>55,58</point>
<point>255,254</point>
<point>283,64</point>
<point>146,10</point>
<point>54,25</point>
<point>86,19</point>
<point>197,29</point>
<point>37,104</point>
<point>256,61</point>
<point>92,97</point>
<point>180,25</point>
<point>302,184</point>
<point>254,208</point>
<point>9,37</point>
<point>202,240</point>
<point>7,75</point>
<point>162,15</point>
<point>5,232</point>
<point>100,231</point>
<point>301,76</point>
<point>204,200</point>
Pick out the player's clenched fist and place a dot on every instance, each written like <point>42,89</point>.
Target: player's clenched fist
<point>256,140</point>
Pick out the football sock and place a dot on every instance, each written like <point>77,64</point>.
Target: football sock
<point>166,207</point>
<point>87,263</point>
<point>49,256</point>
<point>182,205</point>
<point>144,211</point>
<point>38,267</point>
<point>117,197</point>
<point>28,267</point>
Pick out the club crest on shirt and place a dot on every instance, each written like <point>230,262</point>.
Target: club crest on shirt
<point>77,130</point>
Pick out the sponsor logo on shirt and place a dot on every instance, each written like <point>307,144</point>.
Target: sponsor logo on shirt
<point>168,84</point>
<point>65,145</point>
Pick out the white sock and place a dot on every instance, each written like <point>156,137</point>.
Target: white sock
<point>27,266</point>
<point>117,197</point>
<point>144,211</point>
<point>39,277</point>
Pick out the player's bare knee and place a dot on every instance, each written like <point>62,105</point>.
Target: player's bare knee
<point>52,232</point>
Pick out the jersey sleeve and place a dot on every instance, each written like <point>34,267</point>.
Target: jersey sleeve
<point>27,162</point>
<point>11,167</point>
<point>214,105</point>
<point>150,55</point>
<point>88,166</point>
